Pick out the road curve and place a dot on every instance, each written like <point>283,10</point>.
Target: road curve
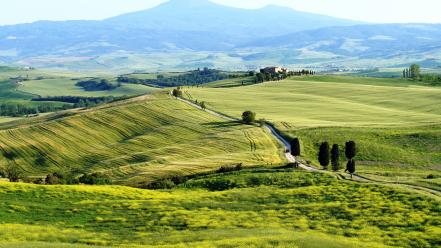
<point>273,131</point>
<point>291,158</point>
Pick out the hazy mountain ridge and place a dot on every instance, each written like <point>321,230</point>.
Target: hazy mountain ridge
<point>202,33</point>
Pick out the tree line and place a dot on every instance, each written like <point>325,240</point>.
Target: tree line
<point>97,85</point>
<point>19,110</point>
<point>328,155</point>
<point>414,72</point>
<point>261,77</point>
<point>191,78</point>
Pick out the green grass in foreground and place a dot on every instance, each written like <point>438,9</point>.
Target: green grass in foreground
<point>137,141</point>
<point>256,208</point>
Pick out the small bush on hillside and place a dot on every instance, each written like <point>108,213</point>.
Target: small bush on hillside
<point>13,173</point>
<point>248,117</point>
<point>225,169</point>
<point>95,179</point>
<point>161,184</point>
<point>166,183</point>
<point>431,176</point>
<point>177,92</point>
<point>61,178</point>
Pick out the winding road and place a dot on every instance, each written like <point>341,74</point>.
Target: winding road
<point>291,158</point>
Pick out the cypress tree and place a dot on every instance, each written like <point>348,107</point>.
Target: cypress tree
<point>350,152</point>
<point>324,155</point>
<point>335,157</point>
<point>295,147</point>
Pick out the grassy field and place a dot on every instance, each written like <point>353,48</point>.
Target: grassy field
<point>330,101</point>
<point>228,83</point>
<point>67,87</point>
<point>254,208</point>
<point>148,137</point>
<point>395,122</point>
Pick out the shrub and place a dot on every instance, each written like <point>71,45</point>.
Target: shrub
<point>161,184</point>
<point>95,179</point>
<point>248,117</point>
<point>177,92</point>
<point>225,169</point>
<point>61,178</point>
<point>13,173</point>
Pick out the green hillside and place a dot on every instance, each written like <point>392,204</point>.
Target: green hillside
<point>255,208</point>
<point>148,137</point>
<point>67,87</point>
<point>395,122</point>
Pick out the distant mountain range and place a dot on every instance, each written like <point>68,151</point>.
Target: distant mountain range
<point>214,35</point>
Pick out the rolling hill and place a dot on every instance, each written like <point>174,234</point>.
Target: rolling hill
<point>135,142</point>
<point>395,122</point>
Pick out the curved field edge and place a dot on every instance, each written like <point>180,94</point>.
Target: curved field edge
<point>263,208</point>
<point>137,141</point>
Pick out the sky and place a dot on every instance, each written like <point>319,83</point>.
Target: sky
<point>376,11</point>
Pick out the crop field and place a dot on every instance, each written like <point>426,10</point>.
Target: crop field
<point>395,122</point>
<point>67,87</point>
<point>150,137</point>
<point>320,102</point>
<point>261,207</point>
<point>228,83</point>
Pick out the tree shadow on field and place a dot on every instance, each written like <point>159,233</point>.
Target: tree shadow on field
<point>222,124</point>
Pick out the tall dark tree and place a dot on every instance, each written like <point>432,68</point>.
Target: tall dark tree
<point>295,149</point>
<point>324,155</point>
<point>350,167</point>
<point>335,157</point>
<point>350,152</point>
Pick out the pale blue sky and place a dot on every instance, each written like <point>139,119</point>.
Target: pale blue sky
<point>21,11</point>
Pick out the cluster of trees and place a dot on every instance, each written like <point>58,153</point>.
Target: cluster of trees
<point>433,79</point>
<point>301,73</point>
<point>414,72</point>
<point>15,174</point>
<point>18,110</point>
<point>191,78</point>
<point>79,101</point>
<point>266,77</point>
<point>261,77</point>
<point>327,155</point>
<point>97,85</point>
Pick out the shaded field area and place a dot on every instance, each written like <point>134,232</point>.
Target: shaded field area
<point>251,208</point>
<point>136,141</point>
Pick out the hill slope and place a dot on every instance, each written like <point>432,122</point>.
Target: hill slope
<point>136,142</point>
<point>395,122</point>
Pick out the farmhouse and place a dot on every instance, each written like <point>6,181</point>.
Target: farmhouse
<point>273,70</point>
